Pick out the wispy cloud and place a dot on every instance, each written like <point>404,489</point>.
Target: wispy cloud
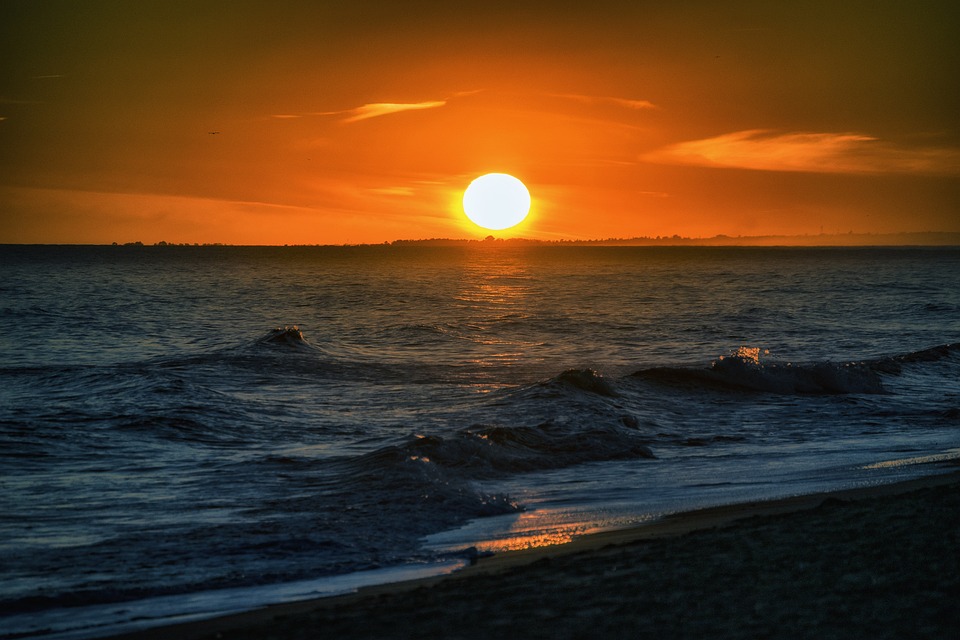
<point>764,150</point>
<point>377,109</point>
<point>618,102</point>
<point>374,109</point>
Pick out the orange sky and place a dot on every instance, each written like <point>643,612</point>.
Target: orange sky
<point>364,121</point>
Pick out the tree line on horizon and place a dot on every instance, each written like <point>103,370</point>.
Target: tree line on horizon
<point>942,238</point>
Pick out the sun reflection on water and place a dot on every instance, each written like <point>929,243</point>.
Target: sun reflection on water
<point>494,300</point>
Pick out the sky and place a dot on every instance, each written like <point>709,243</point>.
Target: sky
<point>296,122</point>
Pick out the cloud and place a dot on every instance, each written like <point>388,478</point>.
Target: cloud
<point>619,102</point>
<point>764,150</point>
<point>377,109</point>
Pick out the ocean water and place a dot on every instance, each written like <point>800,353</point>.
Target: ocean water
<point>187,431</point>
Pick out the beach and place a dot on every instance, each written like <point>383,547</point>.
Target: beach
<point>877,562</point>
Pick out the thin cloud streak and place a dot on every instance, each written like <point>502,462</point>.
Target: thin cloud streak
<point>373,110</point>
<point>853,153</point>
<point>377,109</point>
<point>626,103</point>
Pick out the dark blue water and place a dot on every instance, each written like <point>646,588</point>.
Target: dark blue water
<point>186,430</point>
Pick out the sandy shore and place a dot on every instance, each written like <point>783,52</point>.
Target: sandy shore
<point>881,562</point>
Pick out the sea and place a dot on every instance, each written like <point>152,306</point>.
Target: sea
<point>192,431</point>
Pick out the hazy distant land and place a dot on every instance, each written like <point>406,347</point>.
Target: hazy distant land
<point>924,238</point>
<point>920,238</point>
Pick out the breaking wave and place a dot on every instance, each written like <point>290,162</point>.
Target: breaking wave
<point>933,354</point>
<point>483,451</point>
<point>744,370</point>
<point>288,336</point>
<point>584,380</point>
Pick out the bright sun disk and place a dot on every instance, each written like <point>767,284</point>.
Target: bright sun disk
<point>496,201</point>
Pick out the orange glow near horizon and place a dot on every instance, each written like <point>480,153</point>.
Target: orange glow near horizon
<point>365,125</point>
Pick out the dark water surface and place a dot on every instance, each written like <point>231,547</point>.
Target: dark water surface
<point>166,433</point>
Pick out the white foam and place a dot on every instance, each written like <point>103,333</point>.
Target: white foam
<point>947,456</point>
<point>75,623</point>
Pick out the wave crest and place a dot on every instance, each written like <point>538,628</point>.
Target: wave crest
<point>287,336</point>
<point>744,370</point>
<point>489,451</point>
<point>895,364</point>
<point>585,380</point>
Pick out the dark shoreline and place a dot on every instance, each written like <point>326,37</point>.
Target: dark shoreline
<point>874,562</point>
<point>933,239</point>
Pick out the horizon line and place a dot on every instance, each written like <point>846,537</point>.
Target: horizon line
<point>944,238</point>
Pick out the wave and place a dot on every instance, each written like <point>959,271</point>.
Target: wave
<point>743,370</point>
<point>485,451</point>
<point>747,373</point>
<point>288,349</point>
<point>431,482</point>
<point>895,364</point>
<point>584,380</point>
<point>287,336</point>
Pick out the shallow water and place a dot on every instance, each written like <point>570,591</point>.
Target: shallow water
<point>166,431</point>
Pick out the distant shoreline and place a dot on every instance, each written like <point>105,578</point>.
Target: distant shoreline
<point>911,239</point>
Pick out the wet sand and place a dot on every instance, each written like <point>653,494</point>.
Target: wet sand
<point>879,562</point>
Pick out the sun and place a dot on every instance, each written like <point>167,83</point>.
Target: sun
<point>496,201</point>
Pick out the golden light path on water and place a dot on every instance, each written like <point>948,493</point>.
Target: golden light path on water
<point>496,290</point>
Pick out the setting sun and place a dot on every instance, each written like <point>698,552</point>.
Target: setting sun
<point>496,201</point>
